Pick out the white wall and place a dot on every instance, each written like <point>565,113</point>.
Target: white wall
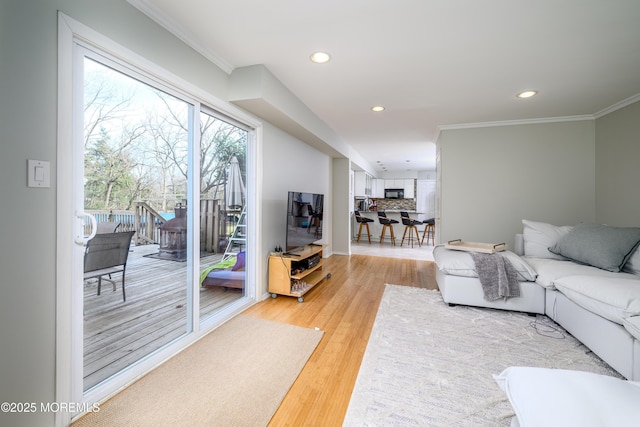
<point>289,165</point>
<point>398,175</point>
<point>617,167</point>
<point>342,200</point>
<point>493,177</point>
<point>427,174</point>
<point>27,222</point>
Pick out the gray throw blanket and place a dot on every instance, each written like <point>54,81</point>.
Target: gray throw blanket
<point>497,275</point>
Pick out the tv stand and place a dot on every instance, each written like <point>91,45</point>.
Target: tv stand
<point>295,277</point>
<point>290,254</point>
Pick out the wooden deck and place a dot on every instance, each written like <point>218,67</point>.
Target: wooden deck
<point>117,333</point>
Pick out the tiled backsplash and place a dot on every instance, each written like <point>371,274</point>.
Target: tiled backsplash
<point>396,204</point>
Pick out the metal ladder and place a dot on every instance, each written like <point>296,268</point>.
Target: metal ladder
<point>238,238</point>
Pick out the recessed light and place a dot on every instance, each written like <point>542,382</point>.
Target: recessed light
<point>377,108</point>
<point>320,57</point>
<point>527,94</point>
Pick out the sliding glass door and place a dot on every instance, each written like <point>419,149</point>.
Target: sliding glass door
<point>169,173</point>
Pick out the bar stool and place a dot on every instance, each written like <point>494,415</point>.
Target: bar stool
<point>315,219</point>
<point>387,223</point>
<point>411,226</point>
<point>363,221</point>
<point>429,230</point>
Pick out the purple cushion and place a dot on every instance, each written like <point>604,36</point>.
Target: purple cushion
<point>239,262</point>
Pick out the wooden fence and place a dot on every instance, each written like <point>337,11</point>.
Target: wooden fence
<point>210,223</point>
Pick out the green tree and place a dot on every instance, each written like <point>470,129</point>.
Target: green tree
<point>108,172</point>
<point>219,142</point>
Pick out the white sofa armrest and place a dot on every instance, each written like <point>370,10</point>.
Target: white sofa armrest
<point>518,246</point>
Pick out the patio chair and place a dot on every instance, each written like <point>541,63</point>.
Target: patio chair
<point>227,274</point>
<point>107,227</point>
<point>106,254</point>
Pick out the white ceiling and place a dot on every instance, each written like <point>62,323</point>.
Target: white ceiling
<point>431,63</point>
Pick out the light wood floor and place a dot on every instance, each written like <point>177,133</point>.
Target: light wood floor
<point>118,333</point>
<point>344,307</point>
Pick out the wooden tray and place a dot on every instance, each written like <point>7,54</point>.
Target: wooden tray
<point>487,248</point>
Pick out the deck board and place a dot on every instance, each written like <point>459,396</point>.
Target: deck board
<point>117,333</point>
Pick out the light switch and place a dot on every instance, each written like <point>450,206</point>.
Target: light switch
<point>38,174</point>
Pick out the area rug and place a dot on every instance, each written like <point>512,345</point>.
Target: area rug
<point>428,364</point>
<point>235,376</point>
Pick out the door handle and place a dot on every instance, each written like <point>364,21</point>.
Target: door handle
<point>80,239</point>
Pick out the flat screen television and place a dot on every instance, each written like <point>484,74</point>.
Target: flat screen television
<point>304,220</point>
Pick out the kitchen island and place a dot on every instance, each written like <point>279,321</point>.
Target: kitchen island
<point>376,227</point>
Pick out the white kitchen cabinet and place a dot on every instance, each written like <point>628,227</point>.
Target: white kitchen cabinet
<point>363,183</point>
<point>377,188</point>
<point>394,183</point>
<point>409,188</point>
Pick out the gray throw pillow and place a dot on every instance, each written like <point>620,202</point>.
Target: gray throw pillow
<point>599,245</point>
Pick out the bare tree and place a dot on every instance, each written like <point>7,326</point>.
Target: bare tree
<point>136,144</point>
<point>104,102</point>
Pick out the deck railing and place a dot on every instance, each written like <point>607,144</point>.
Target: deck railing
<point>146,221</point>
<point>125,218</point>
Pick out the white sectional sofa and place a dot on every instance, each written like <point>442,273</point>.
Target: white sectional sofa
<point>459,283</point>
<point>589,283</point>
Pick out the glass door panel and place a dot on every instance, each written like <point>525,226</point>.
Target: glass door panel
<point>136,167</point>
<point>223,213</point>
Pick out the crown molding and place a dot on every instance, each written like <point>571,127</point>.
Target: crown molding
<point>510,123</point>
<point>516,122</point>
<point>617,106</point>
<point>436,136</point>
<point>170,25</point>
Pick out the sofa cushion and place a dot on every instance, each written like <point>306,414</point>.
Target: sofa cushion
<point>598,245</point>
<point>633,263</point>
<point>632,324</point>
<point>226,275</point>
<point>612,298</point>
<point>557,397</point>
<point>239,265</point>
<point>549,270</point>
<point>460,263</point>
<point>539,236</point>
